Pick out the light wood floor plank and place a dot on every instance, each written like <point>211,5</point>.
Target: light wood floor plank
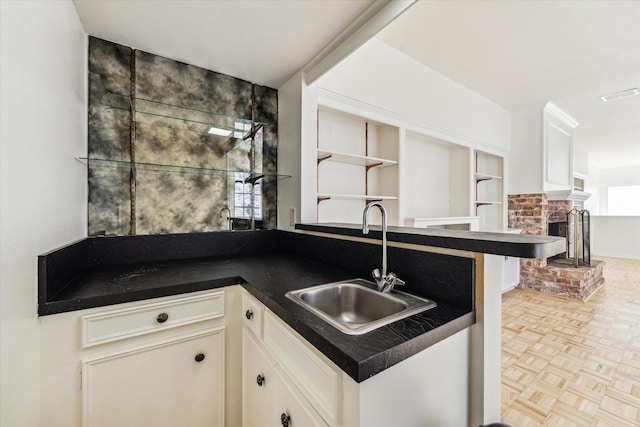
<point>572,363</point>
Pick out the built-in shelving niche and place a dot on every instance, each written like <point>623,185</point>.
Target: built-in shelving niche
<point>436,177</point>
<point>422,180</point>
<point>489,190</point>
<point>357,164</point>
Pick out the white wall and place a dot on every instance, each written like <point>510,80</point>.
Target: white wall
<point>289,151</point>
<point>384,77</point>
<point>297,121</point>
<point>525,159</point>
<point>615,236</point>
<point>42,187</point>
<point>600,179</point>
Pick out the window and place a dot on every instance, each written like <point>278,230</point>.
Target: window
<point>242,197</point>
<point>241,129</point>
<point>237,159</point>
<point>623,200</point>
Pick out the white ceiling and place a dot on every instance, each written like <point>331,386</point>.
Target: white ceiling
<point>516,53</point>
<point>524,53</point>
<point>262,41</point>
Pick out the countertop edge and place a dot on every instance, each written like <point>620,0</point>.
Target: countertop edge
<point>506,244</point>
<point>64,306</point>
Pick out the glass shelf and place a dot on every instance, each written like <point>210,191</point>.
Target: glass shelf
<point>160,113</point>
<point>178,169</point>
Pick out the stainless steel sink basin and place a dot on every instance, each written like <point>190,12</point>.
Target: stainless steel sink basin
<point>356,307</point>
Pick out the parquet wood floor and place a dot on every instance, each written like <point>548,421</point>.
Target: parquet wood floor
<point>571,363</point>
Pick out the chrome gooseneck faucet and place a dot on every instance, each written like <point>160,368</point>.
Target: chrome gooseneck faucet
<point>384,281</point>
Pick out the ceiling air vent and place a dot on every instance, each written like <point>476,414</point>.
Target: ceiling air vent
<point>619,95</point>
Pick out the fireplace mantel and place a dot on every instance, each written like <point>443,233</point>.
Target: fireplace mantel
<point>574,195</point>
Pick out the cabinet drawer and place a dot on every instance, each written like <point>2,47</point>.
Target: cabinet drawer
<point>319,382</point>
<point>252,313</point>
<point>114,325</point>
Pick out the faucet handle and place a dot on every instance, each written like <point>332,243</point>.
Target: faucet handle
<point>395,280</point>
<point>376,274</point>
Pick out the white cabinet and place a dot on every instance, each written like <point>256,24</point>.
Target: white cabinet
<point>558,135</point>
<point>272,392</point>
<point>294,410</point>
<point>269,397</point>
<point>284,374</point>
<point>179,382</point>
<point>175,379</point>
<point>258,384</point>
<point>160,362</point>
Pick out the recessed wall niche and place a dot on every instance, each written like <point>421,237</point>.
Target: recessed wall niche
<point>171,146</point>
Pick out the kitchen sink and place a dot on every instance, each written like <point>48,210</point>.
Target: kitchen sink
<point>356,307</point>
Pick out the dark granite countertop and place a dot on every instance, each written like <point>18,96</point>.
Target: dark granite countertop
<point>100,271</point>
<point>268,277</point>
<point>508,244</point>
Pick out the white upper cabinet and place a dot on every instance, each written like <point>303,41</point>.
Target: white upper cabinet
<point>558,129</point>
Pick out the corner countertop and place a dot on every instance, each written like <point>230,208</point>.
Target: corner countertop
<point>507,244</point>
<point>268,277</point>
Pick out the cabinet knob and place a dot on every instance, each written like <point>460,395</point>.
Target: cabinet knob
<point>248,314</point>
<point>284,419</point>
<point>260,380</point>
<point>162,317</point>
<point>199,357</point>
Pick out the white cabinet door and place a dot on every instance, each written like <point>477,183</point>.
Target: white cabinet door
<point>258,383</point>
<point>177,383</point>
<point>268,398</point>
<point>291,409</point>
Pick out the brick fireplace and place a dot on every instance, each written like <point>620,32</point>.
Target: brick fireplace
<point>533,214</point>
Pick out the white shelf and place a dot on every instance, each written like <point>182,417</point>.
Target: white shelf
<point>353,159</point>
<point>355,196</point>
<point>486,202</point>
<point>484,176</point>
